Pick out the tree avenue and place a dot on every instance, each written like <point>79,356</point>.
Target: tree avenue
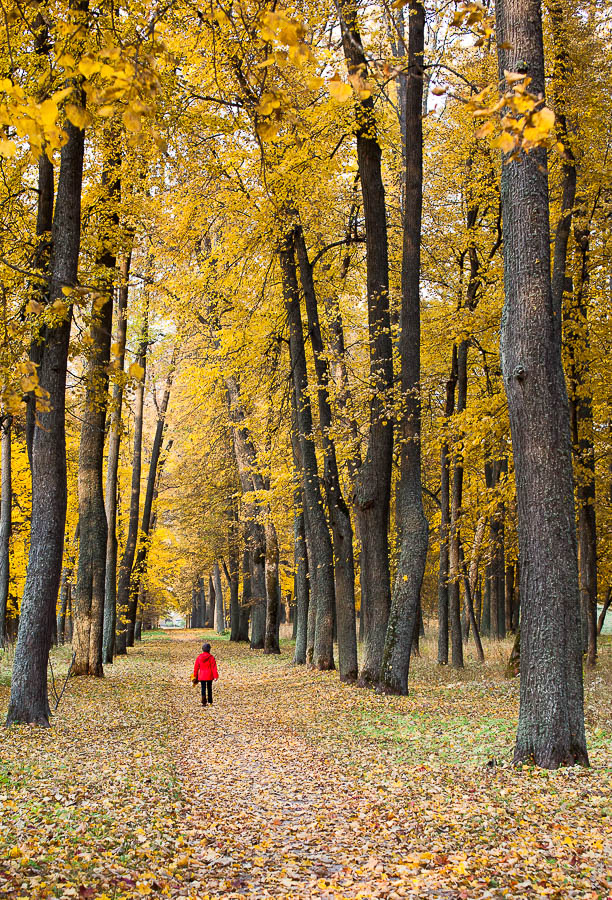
<point>305,323</point>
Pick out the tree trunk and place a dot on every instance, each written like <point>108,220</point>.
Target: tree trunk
<point>233,581</point>
<point>301,585</point>
<point>444,570</point>
<point>271,640</point>
<point>112,466</point>
<point>127,560</point>
<point>6,518</point>
<point>89,597</point>
<point>210,609</point>
<point>29,697</point>
<point>456,500</point>
<point>413,532</point>
<point>604,610</point>
<point>510,597</point>
<point>342,531</point>
<point>323,586</point>
<point>581,414</point>
<point>551,716</point>
<point>219,606</point>
<point>372,485</point>
<point>497,566</point>
<point>245,606</point>
<point>153,479</point>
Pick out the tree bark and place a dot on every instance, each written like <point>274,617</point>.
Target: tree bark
<point>372,484</point>
<point>29,696</point>
<point>245,606</point>
<point>323,650</point>
<point>342,531</point>
<point>89,597</point>
<point>456,501</point>
<point>127,560</point>
<point>219,606</point>
<point>112,466</point>
<point>551,716</point>
<point>153,479</point>
<point>413,532</point>
<point>583,445</point>
<point>444,569</point>
<point>233,580</point>
<point>210,609</point>
<point>6,518</point>
<point>604,610</point>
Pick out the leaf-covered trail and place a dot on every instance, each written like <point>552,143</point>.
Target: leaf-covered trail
<point>296,786</point>
<point>286,798</point>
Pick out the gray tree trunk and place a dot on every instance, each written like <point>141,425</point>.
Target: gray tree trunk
<point>551,715</point>
<point>89,597</point>
<point>372,485</point>
<point>219,606</point>
<point>413,532</point>
<point>323,650</point>
<point>153,479</point>
<point>6,519</point>
<point>245,605</point>
<point>342,531</point>
<point>29,696</point>
<point>112,466</point>
<point>127,560</point>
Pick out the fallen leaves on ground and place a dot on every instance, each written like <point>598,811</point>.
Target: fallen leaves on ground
<point>294,785</point>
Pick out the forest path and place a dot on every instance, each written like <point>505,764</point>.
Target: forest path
<point>272,813</point>
<point>297,786</point>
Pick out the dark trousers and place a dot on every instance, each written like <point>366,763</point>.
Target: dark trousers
<point>206,689</point>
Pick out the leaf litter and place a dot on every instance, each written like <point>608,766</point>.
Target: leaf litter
<point>294,785</point>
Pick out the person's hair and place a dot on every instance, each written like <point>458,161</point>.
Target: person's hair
<point>206,648</point>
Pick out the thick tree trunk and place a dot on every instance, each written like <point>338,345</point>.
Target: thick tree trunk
<point>323,649</point>
<point>89,597</point>
<point>372,485</point>
<point>551,717</point>
<point>301,588</point>
<point>233,580</point>
<point>127,560</point>
<point>29,697</point>
<point>444,567</point>
<point>342,531</point>
<point>112,467</point>
<point>413,532</point>
<point>6,518</point>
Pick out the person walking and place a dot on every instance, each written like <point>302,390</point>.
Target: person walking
<point>205,671</point>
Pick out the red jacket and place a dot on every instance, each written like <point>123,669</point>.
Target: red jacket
<point>205,668</point>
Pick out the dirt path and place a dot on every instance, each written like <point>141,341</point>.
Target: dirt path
<point>294,786</point>
<point>283,799</point>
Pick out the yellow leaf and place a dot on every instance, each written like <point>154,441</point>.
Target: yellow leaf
<point>544,119</point>
<point>485,130</point>
<point>505,142</point>
<point>8,149</point>
<point>88,66</point>
<point>132,120</point>
<point>339,90</point>
<point>79,117</point>
<point>514,77</point>
<point>136,371</point>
